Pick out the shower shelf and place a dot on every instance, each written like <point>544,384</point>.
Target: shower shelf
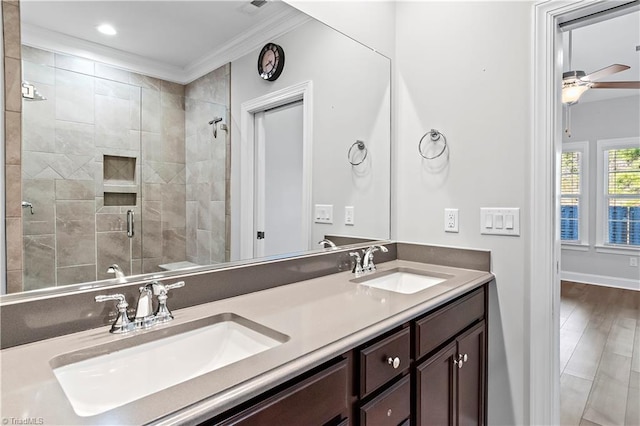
<point>119,186</point>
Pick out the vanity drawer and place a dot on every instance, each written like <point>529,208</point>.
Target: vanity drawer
<point>377,361</point>
<point>317,400</point>
<point>438,327</point>
<point>391,407</point>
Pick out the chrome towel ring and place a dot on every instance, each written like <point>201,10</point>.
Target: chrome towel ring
<point>361,147</point>
<point>435,136</point>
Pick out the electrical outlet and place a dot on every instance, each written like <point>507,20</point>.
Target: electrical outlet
<point>451,220</point>
<point>633,261</point>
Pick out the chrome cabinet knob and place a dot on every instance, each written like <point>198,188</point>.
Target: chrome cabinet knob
<point>394,362</point>
<point>389,412</point>
<point>461,360</point>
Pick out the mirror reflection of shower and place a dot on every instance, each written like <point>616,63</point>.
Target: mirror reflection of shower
<point>30,93</point>
<point>214,123</point>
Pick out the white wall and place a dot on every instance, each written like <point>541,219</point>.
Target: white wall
<point>369,22</point>
<point>464,68</point>
<point>351,101</point>
<point>590,121</point>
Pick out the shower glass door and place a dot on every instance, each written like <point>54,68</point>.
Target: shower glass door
<point>81,170</point>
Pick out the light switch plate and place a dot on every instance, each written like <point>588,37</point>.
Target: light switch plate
<point>323,213</point>
<point>349,215</point>
<point>500,221</point>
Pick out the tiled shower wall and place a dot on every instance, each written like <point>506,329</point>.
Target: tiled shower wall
<point>72,236</point>
<point>12,115</point>
<point>93,111</point>
<point>208,165</point>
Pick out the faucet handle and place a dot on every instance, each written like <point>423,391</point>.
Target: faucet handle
<point>122,324</point>
<point>357,267</point>
<point>163,313</point>
<point>174,285</point>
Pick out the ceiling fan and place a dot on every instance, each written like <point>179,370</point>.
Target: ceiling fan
<point>575,83</point>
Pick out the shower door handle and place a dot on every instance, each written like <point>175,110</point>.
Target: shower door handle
<point>130,231</point>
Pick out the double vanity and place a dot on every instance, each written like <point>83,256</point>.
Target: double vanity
<point>403,343</point>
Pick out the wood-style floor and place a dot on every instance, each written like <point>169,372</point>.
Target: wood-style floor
<point>599,355</point>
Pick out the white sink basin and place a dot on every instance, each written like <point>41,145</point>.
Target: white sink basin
<point>106,377</point>
<point>403,280</point>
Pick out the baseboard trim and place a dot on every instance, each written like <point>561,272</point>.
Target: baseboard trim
<point>602,280</point>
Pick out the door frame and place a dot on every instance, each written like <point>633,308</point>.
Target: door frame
<point>543,309</point>
<point>301,91</point>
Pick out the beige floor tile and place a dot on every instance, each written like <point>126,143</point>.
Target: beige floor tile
<point>586,357</point>
<point>633,400</point>
<point>607,402</point>
<point>621,337</point>
<point>574,393</point>
<point>568,341</point>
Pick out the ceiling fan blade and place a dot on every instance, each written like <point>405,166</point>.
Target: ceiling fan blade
<point>611,69</point>
<point>616,85</point>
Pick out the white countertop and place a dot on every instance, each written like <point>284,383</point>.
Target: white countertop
<point>324,317</point>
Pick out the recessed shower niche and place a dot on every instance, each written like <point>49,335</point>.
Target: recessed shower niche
<point>120,186</point>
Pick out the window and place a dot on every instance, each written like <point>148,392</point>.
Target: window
<point>573,193</point>
<point>620,192</point>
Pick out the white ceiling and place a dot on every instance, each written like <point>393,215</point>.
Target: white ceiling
<point>172,37</point>
<point>599,45</point>
<point>180,40</point>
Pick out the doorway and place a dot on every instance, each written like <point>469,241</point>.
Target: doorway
<point>279,175</point>
<point>544,274</point>
<point>300,95</point>
<point>598,381</point>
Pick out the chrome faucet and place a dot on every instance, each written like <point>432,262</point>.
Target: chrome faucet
<point>117,270</point>
<point>144,309</point>
<point>367,259</point>
<point>145,317</point>
<point>327,243</point>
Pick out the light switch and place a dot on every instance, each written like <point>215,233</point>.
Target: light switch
<point>488,221</point>
<point>500,221</point>
<point>508,221</point>
<point>323,213</point>
<point>349,214</point>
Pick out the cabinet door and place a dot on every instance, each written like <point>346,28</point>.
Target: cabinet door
<point>436,389</point>
<point>471,376</point>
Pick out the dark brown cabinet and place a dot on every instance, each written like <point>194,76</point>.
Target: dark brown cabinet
<point>450,383</point>
<point>429,371</point>
<point>317,400</point>
<point>435,388</point>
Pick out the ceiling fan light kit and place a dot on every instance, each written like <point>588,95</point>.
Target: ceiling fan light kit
<point>571,94</point>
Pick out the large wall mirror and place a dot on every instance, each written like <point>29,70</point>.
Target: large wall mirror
<point>160,148</point>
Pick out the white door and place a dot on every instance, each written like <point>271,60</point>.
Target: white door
<point>279,184</point>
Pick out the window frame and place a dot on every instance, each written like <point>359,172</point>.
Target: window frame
<point>602,233</point>
<point>583,197</point>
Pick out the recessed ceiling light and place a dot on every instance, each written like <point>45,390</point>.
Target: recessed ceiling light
<point>107,29</point>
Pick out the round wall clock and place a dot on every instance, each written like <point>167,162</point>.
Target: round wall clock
<point>270,61</point>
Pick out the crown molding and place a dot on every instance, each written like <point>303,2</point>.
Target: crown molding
<point>246,43</point>
<point>53,41</point>
<point>235,48</point>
